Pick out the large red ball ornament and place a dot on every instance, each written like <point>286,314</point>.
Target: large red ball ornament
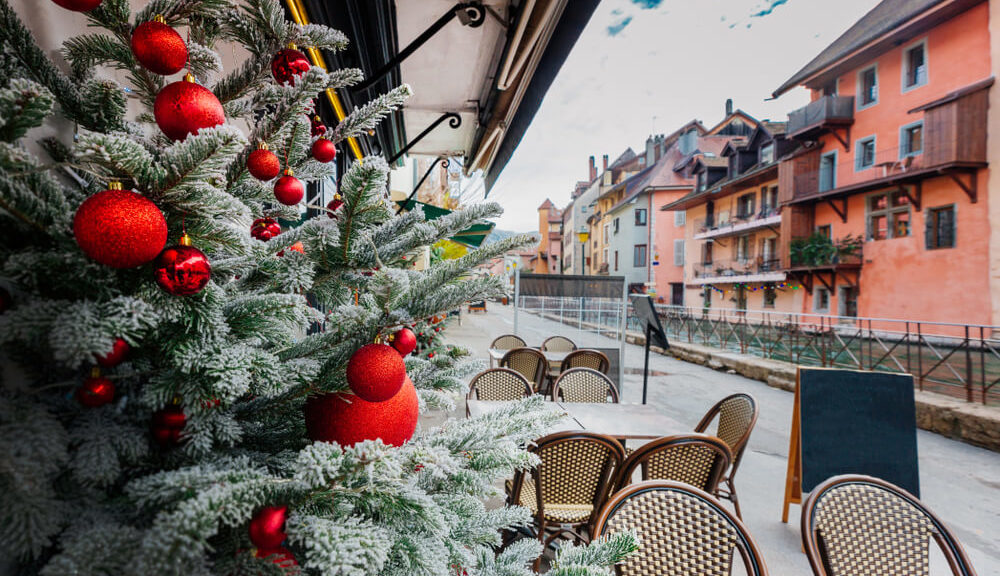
<point>96,390</point>
<point>404,341</point>
<point>117,354</point>
<point>184,107</point>
<point>167,425</point>
<point>267,527</point>
<point>120,228</point>
<point>334,205</point>
<point>323,150</point>
<point>182,270</point>
<point>78,5</point>
<point>375,372</point>
<point>159,47</point>
<point>289,190</point>
<point>289,64</point>
<point>263,164</point>
<point>347,419</point>
<point>264,229</point>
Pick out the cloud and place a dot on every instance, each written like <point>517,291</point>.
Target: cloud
<point>618,25</point>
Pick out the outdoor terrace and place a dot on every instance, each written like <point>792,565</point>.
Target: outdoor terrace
<point>821,115</point>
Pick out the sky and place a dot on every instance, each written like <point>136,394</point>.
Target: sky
<point>646,67</point>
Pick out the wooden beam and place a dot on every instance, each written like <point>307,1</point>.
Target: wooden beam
<point>844,140</point>
<point>970,189</point>
<point>842,210</point>
<point>829,285</point>
<point>847,280</point>
<point>915,195</point>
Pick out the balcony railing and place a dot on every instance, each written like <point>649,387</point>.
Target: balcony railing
<point>707,227</point>
<point>726,269</point>
<point>828,110</point>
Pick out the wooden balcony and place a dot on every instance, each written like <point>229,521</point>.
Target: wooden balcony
<point>821,115</point>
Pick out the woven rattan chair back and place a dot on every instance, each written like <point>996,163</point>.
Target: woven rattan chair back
<point>498,385</point>
<point>859,525</point>
<point>584,385</point>
<point>527,362</point>
<point>695,459</point>
<point>558,344</point>
<point>508,342</point>
<point>585,358</point>
<point>683,531</point>
<point>736,415</point>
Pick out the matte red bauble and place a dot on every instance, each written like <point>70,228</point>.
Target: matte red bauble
<point>289,190</point>
<point>120,228</point>
<point>318,128</point>
<point>159,47</point>
<point>184,107</point>
<point>375,372</point>
<point>263,164</point>
<point>117,355</point>
<point>167,425</point>
<point>323,150</point>
<point>78,5</point>
<point>264,229</point>
<point>288,64</point>
<point>347,419</point>
<point>96,390</point>
<point>404,341</point>
<point>182,270</point>
<point>267,527</point>
<point>334,205</point>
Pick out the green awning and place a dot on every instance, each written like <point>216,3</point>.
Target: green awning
<point>473,236</point>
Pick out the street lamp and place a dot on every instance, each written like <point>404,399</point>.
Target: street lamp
<point>583,235</point>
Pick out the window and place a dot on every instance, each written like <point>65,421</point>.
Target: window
<point>616,260</point>
<point>847,302</point>
<point>706,253</point>
<point>867,87</point>
<point>821,300</point>
<point>639,256</point>
<point>767,153</point>
<point>680,218</point>
<point>888,216</point>
<point>864,153</point>
<point>768,200</point>
<point>702,180</point>
<point>741,297</point>
<point>831,88</point>
<point>640,216</point>
<point>770,295</point>
<point>911,139</point>
<point>828,171</point>
<point>706,297</point>
<point>825,230</point>
<point>678,252</point>
<point>915,66</point>
<point>617,225</point>
<point>744,206</point>
<point>769,254</point>
<point>941,227</point>
<point>605,256</point>
<point>607,235</point>
<point>743,247</point>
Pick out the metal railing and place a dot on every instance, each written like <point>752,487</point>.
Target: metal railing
<point>737,267</point>
<point>716,223</point>
<point>825,109</point>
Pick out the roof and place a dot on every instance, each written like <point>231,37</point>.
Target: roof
<point>886,17</point>
<point>735,115</point>
<point>547,205</point>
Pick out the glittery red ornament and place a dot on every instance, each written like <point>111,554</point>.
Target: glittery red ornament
<point>263,164</point>
<point>96,390</point>
<point>264,229</point>
<point>182,270</point>
<point>297,247</point>
<point>117,354</point>
<point>375,372</point>
<point>323,150</point>
<point>267,527</point>
<point>120,228</point>
<point>281,556</point>
<point>404,341</point>
<point>347,419</point>
<point>334,205</point>
<point>289,190</point>
<point>167,425</point>
<point>318,128</point>
<point>159,47</point>
<point>288,64</point>
<point>78,5</point>
<point>184,107</point>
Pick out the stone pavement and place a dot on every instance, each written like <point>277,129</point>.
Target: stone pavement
<point>961,483</point>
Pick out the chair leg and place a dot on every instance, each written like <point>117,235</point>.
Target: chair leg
<point>733,497</point>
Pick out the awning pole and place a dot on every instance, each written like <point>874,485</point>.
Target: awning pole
<point>517,295</point>
<point>623,318</point>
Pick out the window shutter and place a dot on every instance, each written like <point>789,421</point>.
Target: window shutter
<point>929,223</point>
<point>680,218</point>
<point>679,253</point>
<point>948,226</point>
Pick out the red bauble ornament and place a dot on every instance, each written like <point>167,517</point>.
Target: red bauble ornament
<point>263,164</point>
<point>78,5</point>
<point>96,390</point>
<point>288,64</point>
<point>182,270</point>
<point>404,341</point>
<point>185,107</point>
<point>323,150</point>
<point>264,229</point>
<point>347,419</point>
<point>289,190</point>
<point>159,47</point>
<point>167,424</point>
<point>120,228</point>
<point>267,527</point>
<point>119,350</point>
<point>334,205</point>
<point>318,128</point>
<point>375,372</point>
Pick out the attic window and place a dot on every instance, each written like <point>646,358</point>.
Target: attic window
<point>767,153</point>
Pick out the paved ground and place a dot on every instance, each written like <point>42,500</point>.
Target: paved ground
<point>958,481</point>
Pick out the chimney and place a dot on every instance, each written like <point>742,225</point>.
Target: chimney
<point>593,169</point>
<point>729,106</point>
<point>605,162</point>
<point>650,150</point>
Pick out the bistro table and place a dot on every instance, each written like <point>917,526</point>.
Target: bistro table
<point>621,421</point>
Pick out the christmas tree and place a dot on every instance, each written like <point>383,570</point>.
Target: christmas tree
<point>190,388</point>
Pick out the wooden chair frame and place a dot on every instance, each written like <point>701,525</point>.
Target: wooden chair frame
<point>640,459</point>
<point>473,394</point>
<point>729,492</point>
<point>812,539</point>
<point>493,344</point>
<point>612,390</point>
<point>545,347</point>
<point>540,372</point>
<point>567,361</point>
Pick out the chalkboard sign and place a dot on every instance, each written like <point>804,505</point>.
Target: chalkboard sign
<point>645,310</point>
<point>851,422</point>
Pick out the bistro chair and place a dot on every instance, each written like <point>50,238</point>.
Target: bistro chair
<point>737,416</point>
<point>682,530</point>
<point>498,385</point>
<point>584,385</point>
<point>586,358</point>
<point>507,342</point>
<point>570,484</point>
<point>527,362</point>
<point>862,525</point>
<point>695,459</point>
<point>558,344</point>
